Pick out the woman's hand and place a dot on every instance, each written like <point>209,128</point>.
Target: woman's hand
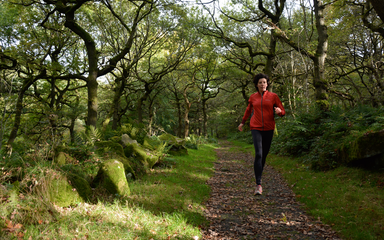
<point>240,127</point>
<point>277,110</point>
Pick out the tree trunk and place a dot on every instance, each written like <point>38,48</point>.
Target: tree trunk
<point>205,119</point>
<point>319,80</point>
<point>18,111</point>
<point>271,58</point>
<point>139,108</point>
<point>179,127</point>
<point>116,103</point>
<point>186,113</point>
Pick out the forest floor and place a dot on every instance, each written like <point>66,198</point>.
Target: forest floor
<point>235,213</point>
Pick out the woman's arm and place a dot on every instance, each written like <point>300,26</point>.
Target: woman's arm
<point>279,108</point>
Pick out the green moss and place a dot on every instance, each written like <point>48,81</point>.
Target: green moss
<point>128,150</point>
<point>151,143</point>
<point>138,166</point>
<point>114,179</point>
<point>63,158</point>
<point>80,153</point>
<point>323,104</point>
<point>364,146</point>
<point>127,166</point>
<point>177,144</point>
<point>81,185</point>
<point>109,147</point>
<point>59,191</point>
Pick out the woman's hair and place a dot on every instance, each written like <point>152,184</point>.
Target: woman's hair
<point>258,77</point>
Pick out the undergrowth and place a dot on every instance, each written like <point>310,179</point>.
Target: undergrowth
<point>167,203</point>
<point>318,136</point>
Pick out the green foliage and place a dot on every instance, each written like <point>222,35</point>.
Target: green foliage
<point>317,136</point>
<point>193,141</point>
<point>89,136</point>
<point>244,136</point>
<point>167,202</point>
<point>79,152</point>
<point>135,130</point>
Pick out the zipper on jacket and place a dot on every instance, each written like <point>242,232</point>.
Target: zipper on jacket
<point>262,117</point>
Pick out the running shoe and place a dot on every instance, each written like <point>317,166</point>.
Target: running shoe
<point>258,190</point>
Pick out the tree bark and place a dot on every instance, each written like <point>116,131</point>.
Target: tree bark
<point>18,111</point>
<point>205,118</point>
<point>319,80</point>
<point>186,113</point>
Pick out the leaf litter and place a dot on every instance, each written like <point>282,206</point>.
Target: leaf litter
<point>235,213</point>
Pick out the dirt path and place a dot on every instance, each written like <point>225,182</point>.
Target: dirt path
<point>235,213</point>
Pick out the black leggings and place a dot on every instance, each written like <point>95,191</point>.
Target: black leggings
<point>262,141</point>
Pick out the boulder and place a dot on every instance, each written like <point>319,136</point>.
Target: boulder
<point>368,146</point>
<point>177,144</point>
<point>81,185</point>
<point>61,191</point>
<point>63,158</point>
<point>153,143</point>
<point>126,140</point>
<point>112,177</point>
<point>111,149</point>
<point>135,150</point>
<point>72,154</point>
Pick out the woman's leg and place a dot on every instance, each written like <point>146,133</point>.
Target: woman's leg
<point>262,143</point>
<point>267,140</point>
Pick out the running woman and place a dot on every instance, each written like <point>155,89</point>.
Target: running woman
<point>264,105</point>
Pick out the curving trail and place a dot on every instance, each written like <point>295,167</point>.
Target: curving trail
<point>235,213</point>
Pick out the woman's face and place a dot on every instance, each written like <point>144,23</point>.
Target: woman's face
<point>262,85</point>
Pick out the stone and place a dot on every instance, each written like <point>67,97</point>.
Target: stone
<point>135,150</point>
<point>177,144</point>
<point>112,177</point>
<point>58,190</point>
<point>368,146</point>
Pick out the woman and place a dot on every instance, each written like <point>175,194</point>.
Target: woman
<point>263,104</point>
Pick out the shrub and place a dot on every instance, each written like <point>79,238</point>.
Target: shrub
<point>317,136</point>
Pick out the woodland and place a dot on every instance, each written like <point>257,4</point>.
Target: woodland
<point>75,74</point>
<point>178,67</point>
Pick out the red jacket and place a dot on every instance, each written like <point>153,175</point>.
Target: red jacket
<point>263,111</point>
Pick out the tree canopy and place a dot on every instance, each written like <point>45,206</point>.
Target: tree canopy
<point>176,66</point>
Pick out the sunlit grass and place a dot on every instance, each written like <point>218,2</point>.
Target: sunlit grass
<point>168,203</point>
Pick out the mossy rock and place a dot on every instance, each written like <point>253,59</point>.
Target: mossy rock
<point>135,150</point>
<point>56,187</point>
<point>110,147</point>
<point>138,166</point>
<point>172,140</point>
<point>76,153</point>
<point>367,146</point>
<point>129,172</point>
<point>177,144</point>
<point>152,143</point>
<point>63,158</point>
<point>81,185</point>
<point>112,177</point>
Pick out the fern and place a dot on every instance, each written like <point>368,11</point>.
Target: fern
<point>89,136</point>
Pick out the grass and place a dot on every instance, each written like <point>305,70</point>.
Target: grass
<point>165,204</point>
<point>349,199</point>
